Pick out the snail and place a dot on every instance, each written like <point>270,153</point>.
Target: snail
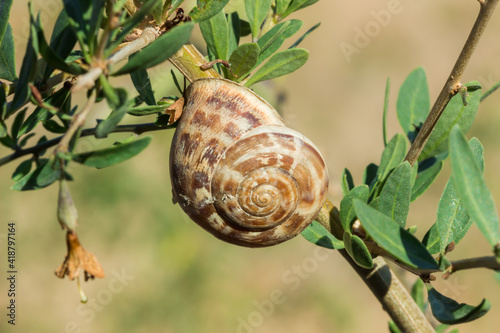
<point>238,172</point>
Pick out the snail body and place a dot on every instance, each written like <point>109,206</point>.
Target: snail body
<point>238,172</point>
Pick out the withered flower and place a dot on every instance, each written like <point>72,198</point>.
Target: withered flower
<point>78,258</point>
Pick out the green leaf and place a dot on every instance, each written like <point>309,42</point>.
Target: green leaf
<point>47,172</point>
<point>453,222</point>
<point>22,91</point>
<point>347,213</point>
<point>233,26</point>
<point>215,33</point>
<point>160,50</point>
<point>22,170</point>
<point>317,234</point>
<point>119,109</point>
<point>346,181</point>
<point>243,59</point>
<point>41,114</point>
<point>393,238</point>
<point>395,196</point>
<point>448,311</point>
<point>281,63</point>
<point>52,58</point>
<point>296,5</point>
<point>357,250</point>
<point>417,294</point>
<point>62,41</point>
<point>307,33</point>
<point>393,328</point>
<point>282,6</point>
<point>384,112</point>
<point>257,11</point>
<point>425,179</point>
<point>110,156</point>
<point>413,103</point>
<point>5,6</point>
<point>431,240</point>
<point>207,9</point>
<point>142,84</point>
<point>7,56</point>
<point>370,174</point>
<point>471,187</point>
<point>53,127</point>
<point>393,154</point>
<point>16,125</point>
<point>272,40</point>
<point>455,113</point>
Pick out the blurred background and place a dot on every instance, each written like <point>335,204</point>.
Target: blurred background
<point>165,274</point>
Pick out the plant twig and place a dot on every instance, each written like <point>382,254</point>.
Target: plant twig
<point>490,262</point>
<point>453,82</point>
<point>393,296</point>
<point>132,128</point>
<point>87,80</point>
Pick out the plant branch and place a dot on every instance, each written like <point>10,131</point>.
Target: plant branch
<point>393,296</point>
<point>132,128</point>
<point>453,82</point>
<point>490,262</point>
<point>189,61</point>
<point>87,80</point>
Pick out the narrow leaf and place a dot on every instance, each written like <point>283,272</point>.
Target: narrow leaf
<point>395,196</point>
<point>384,113</point>
<point>453,222</point>
<point>233,26</point>
<point>425,179</point>
<point>28,72</point>
<point>160,50</point>
<point>215,33</point>
<point>346,182</point>
<point>142,84</point>
<point>298,4</point>
<point>392,156</point>
<point>207,9</point>
<point>370,174</point>
<point>272,40</point>
<point>44,175</point>
<point>243,59</point>
<point>393,238</point>
<point>347,212</point>
<point>257,11</point>
<point>118,112</point>
<point>307,33</point>
<point>317,234</point>
<point>5,6</point>
<point>357,250</point>
<point>281,63</point>
<point>448,311</point>
<point>62,41</point>
<point>413,103</point>
<point>110,156</point>
<point>455,113</point>
<point>7,56</point>
<point>471,187</point>
<point>22,170</point>
<point>432,240</point>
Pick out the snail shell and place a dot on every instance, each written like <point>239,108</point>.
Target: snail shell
<point>238,172</point>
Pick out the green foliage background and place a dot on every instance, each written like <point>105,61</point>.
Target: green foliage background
<point>187,281</point>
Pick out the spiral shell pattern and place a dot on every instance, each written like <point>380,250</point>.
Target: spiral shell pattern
<point>238,172</point>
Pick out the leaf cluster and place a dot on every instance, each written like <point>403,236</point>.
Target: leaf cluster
<point>373,215</point>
